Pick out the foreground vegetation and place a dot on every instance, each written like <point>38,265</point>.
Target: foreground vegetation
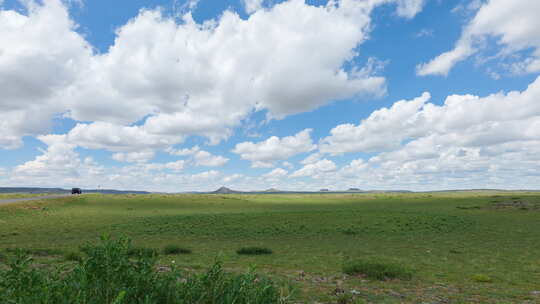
<point>107,274</point>
<point>462,247</point>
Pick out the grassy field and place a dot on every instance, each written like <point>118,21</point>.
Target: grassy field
<point>460,247</point>
<point>20,195</point>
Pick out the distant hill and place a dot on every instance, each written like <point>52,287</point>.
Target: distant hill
<point>225,190</point>
<point>60,190</point>
<point>32,190</point>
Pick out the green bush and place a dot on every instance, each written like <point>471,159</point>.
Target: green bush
<point>377,270</point>
<point>254,250</point>
<point>175,249</point>
<point>108,275</point>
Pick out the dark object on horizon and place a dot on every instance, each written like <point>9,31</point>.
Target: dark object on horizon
<point>324,190</point>
<point>353,189</point>
<point>76,191</point>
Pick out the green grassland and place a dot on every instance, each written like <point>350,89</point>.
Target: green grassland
<point>20,195</point>
<point>461,247</point>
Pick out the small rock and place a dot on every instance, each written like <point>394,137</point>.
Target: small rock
<point>535,292</point>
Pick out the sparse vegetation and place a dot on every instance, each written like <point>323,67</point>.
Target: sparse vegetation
<point>142,252</point>
<point>377,270</point>
<point>35,251</point>
<point>108,275</point>
<point>254,251</point>
<point>482,278</point>
<point>175,249</point>
<point>20,195</point>
<point>311,235</point>
<point>73,256</point>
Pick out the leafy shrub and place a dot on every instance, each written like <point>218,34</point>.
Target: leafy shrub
<point>482,278</point>
<point>254,251</point>
<point>377,270</point>
<point>175,249</point>
<point>108,275</point>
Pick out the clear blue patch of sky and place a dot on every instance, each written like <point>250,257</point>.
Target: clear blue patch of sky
<point>31,149</point>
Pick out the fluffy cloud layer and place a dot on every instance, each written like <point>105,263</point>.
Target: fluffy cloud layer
<point>514,24</point>
<point>276,174</point>
<point>264,154</point>
<point>467,141</point>
<point>252,5</point>
<point>384,129</point>
<point>464,120</point>
<point>32,48</point>
<point>200,157</point>
<point>179,79</point>
<point>164,80</point>
<point>315,169</point>
<point>59,163</point>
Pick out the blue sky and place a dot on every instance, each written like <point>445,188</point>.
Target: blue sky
<point>191,95</point>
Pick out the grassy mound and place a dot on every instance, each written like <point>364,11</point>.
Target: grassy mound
<point>108,275</point>
<point>377,270</point>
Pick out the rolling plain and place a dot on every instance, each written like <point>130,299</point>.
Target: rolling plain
<point>459,247</point>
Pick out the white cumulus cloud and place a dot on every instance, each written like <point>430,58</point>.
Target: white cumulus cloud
<point>134,157</point>
<point>200,157</point>
<point>252,5</point>
<point>316,170</point>
<point>276,174</point>
<point>264,154</point>
<point>514,24</point>
<point>384,129</point>
<point>179,78</point>
<point>469,141</point>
